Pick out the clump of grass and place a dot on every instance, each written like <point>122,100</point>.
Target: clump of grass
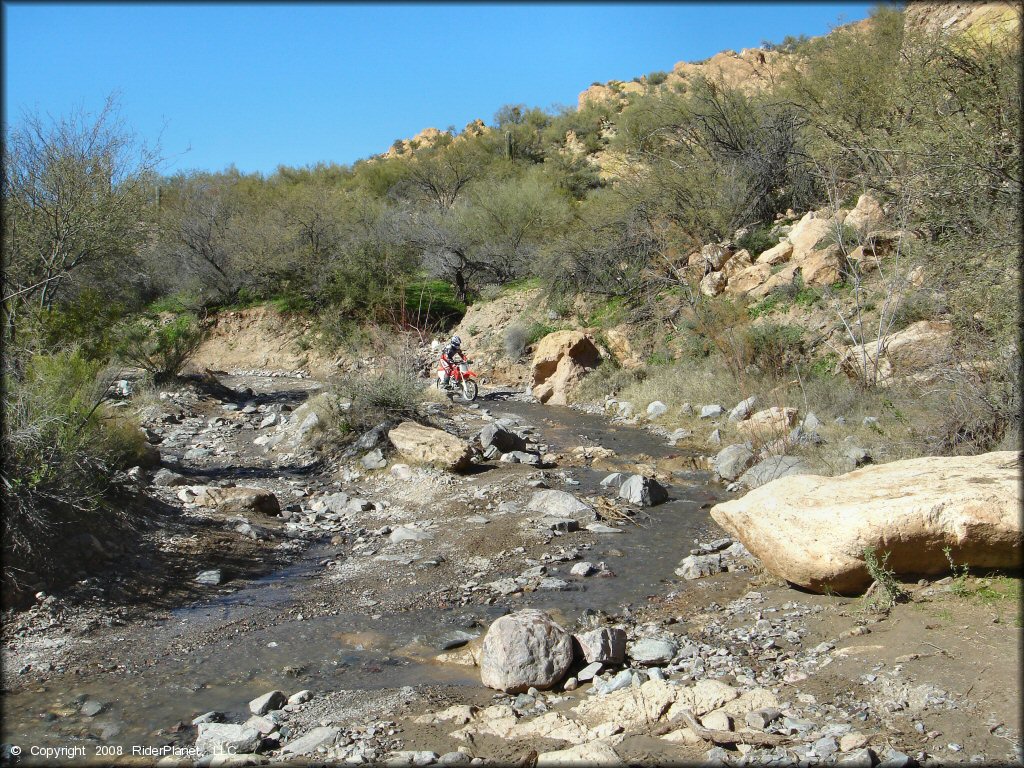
<point>960,573</point>
<point>885,578</point>
<point>516,340</point>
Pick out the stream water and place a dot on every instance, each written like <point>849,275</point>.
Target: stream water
<point>352,650</point>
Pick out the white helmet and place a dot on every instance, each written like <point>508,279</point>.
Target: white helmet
<point>456,341</point>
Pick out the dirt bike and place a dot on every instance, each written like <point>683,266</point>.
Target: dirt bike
<point>461,380</point>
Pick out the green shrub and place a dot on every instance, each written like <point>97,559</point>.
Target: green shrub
<point>657,78</point>
<point>609,378</point>
<point>758,240</point>
<point>160,349</point>
<point>538,331</point>
<point>765,306</point>
<point>775,348</point>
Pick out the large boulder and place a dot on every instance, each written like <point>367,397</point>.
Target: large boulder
<point>813,531</point>
<point>560,362</point>
<point>523,650</point>
<point>713,283</point>
<point>426,445</point>
<point>822,268</point>
<point>503,439</point>
<point>768,424</point>
<point>715,256</point>
<point>746,280</point>
<point>226,738</point>
<point>643,491</point>
<point>916,353</point>
<point>233,501</point>
<point>777,254</point>
<point>867,216</point>
<point>558,504</point>
<point>810,233</point>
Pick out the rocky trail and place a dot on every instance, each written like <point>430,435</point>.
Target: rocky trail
<point>296,608</point>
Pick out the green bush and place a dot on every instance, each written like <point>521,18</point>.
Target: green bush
<point>160,348</point>
<point>758,240</point>
<point>61,448</point>
<point>538,331</point>
<point>657,78</point>
<point>775,348</point>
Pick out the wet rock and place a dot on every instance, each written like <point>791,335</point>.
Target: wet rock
<point>711,411</point>
<point>310,742</point>
<point>435,447</point>
<point>525,649</point>
<point>558,504</point>
<point>583,569</point>
<point>602,528</point>
<point>503,439</point>
<point>300,697</point>
<point>209,717</point>
<point>606,645</point>
<point>699,566</point>
<point>652,652</point>
<point>589,672</point>
<point>268,701</point>
<point>226,738</point>
<point>210,578</point>
<point>643,491</point>
<point>561,524</point>
<point>374,459</point>
<point>732,461</point>
<point>773,469</point>
<point>91,708</point>
<point>743,409</point>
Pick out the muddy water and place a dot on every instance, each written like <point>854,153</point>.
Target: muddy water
<point>350,651</point>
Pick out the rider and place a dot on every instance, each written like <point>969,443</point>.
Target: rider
<point>451,355</point>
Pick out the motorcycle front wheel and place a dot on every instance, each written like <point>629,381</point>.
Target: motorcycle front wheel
<point>469,390</point>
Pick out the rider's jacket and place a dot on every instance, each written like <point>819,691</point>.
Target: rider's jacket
<point>448,354</point>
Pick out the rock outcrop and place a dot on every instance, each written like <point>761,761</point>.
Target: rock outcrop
<point>914,353</point>
<point>813,531</point>
<point>560,362</point>
<point>523,650</point>
<point>426,445</point>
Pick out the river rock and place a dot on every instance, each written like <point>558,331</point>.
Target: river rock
<point>310,742</point>
<point>643,491</point>
<point>525,649</point>
<point>268,701</point>
<point>606,645</point>
<point>774,468</point>
<point>226,738</point>
<point>812,531</point>
<point>652,652</point>
<point>732,461</point>
<point>521,457</point>
<point>239,500</point>
<point>408,533</point>
<point>426,445</point>
<point>503,439</point>
<point>699,566</point>
<point>165,478</point>
<point>614,480</point>
<point>743,409</point>
<point>401,471</point>
<point>558,504</point>
<point>560,362</point>
<point>210,578</point>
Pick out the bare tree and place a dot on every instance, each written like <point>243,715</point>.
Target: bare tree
<point>75,193</point>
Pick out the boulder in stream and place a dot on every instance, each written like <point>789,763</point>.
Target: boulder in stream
<point>426,445</point>
<point>523,650</point>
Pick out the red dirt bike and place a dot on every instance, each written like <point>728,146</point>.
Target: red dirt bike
<point>462,380</point>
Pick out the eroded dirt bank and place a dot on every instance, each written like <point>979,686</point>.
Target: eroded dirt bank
<point>355,592</point>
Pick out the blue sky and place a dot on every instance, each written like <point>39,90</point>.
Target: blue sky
<point>265,85</point>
